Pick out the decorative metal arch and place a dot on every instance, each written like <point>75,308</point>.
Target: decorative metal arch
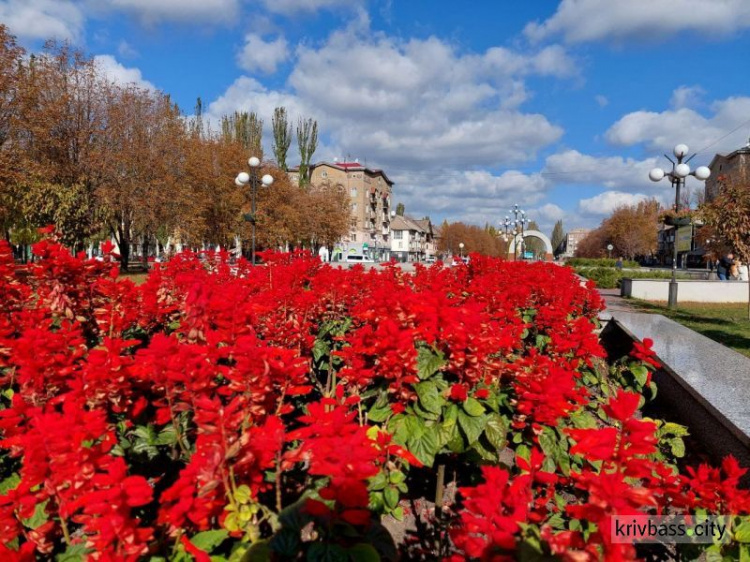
<point>531,234</point>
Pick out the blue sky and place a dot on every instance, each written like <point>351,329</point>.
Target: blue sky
<point>561,107</point>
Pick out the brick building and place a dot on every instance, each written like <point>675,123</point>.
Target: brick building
<point>735,165</point>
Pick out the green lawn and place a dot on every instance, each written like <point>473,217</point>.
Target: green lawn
<point>724,323</point>
<point>136,278</point>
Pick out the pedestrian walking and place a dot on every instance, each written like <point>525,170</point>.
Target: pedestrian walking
<point>724,266</point>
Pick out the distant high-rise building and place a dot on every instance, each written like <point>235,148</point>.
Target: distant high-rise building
<point>370,192</point>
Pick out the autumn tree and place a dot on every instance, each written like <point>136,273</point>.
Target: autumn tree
<point>593,245</point>
<point>307,143</point>
<point>62,118</point>
<point>558,236</point>
<point>11,57</point>
<point>329,214</point>
<point>729,215</point>
<point>631,229</point>
<point>282,136</point>
<point>142,190</point>
<point>474,238</point>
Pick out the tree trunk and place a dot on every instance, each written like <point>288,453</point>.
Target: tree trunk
<point>124,243</point>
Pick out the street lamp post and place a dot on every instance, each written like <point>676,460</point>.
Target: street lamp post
<point>680,171</point>
<point>242,179</point>
<point>520,225</point>
<point>461,250</point>
<point>507,224</point>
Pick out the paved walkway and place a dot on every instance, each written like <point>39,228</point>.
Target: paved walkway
<point>614,302</point>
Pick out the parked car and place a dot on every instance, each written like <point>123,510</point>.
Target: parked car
<point>357,258</point>
<point>430,259</point>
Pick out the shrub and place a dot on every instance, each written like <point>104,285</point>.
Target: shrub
<point>610,278</point>
<point>600,262</point>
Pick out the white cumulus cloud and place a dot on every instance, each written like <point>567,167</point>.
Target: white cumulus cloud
<point>120,74</point>
<point>580,21</point>
<point>185,11</point>
<point>261,55</point>
<point>43,19</point>
<point>605,203</point>
<point>660,131</point>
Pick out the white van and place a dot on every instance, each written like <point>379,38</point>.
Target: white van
<point>357,258</point>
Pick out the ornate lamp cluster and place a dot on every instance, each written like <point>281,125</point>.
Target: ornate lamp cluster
<point>242,179</point>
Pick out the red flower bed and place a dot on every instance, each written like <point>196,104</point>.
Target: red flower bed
<point>279,412</point>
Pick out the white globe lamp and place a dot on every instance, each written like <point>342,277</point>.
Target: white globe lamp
<point>681,150</point>
<point>702,173</point>
<point>657,174</point>
<point>682,170</point>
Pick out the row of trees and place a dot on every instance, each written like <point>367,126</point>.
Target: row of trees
<point>631,229</point>
<point>487,240</point>
<point>100,159</point>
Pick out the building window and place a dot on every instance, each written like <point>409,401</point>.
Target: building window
<point>353,191</point>
<point>324,174</point>
<point>398,234</point>
<point>354,207</point>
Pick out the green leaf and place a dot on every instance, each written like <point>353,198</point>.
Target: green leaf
<point>496,431</point>
<point>677,445</point>
<point>424,414</point>
<point>391,497</point>
<point>294,517</point>
<point>322,552</point>
<point>424,445</point>
<point>473,407</point>
<point>548,441</point>
<point>396,477</point>
<point>472,427</point>
<point>451,414</point>
<point>74,553</point>
<point>524,452</point>
<point>640,373</point>
<point>363,552</point>
<point>380,410</point>
<point>675,429</point>
<point>39,517</point>
<point>167,436</point>
<point>285,543</point>
<point>10,483</point>
<point>429,362</point>
<point>379,481</point>
<point>429,397</point>
<point>742,531</point>
<point>209,540</point>
<point>583,420</point>
<point>260,551</point>
<point>397,427</point>
<point>485,451</point>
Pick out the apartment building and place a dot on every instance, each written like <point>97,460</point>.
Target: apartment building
<point>412,239</point>
<point>370,191</point>
<point>735,165</point>
<point>572,238</point>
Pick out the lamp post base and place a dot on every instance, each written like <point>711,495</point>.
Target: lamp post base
<point>672,302</point>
